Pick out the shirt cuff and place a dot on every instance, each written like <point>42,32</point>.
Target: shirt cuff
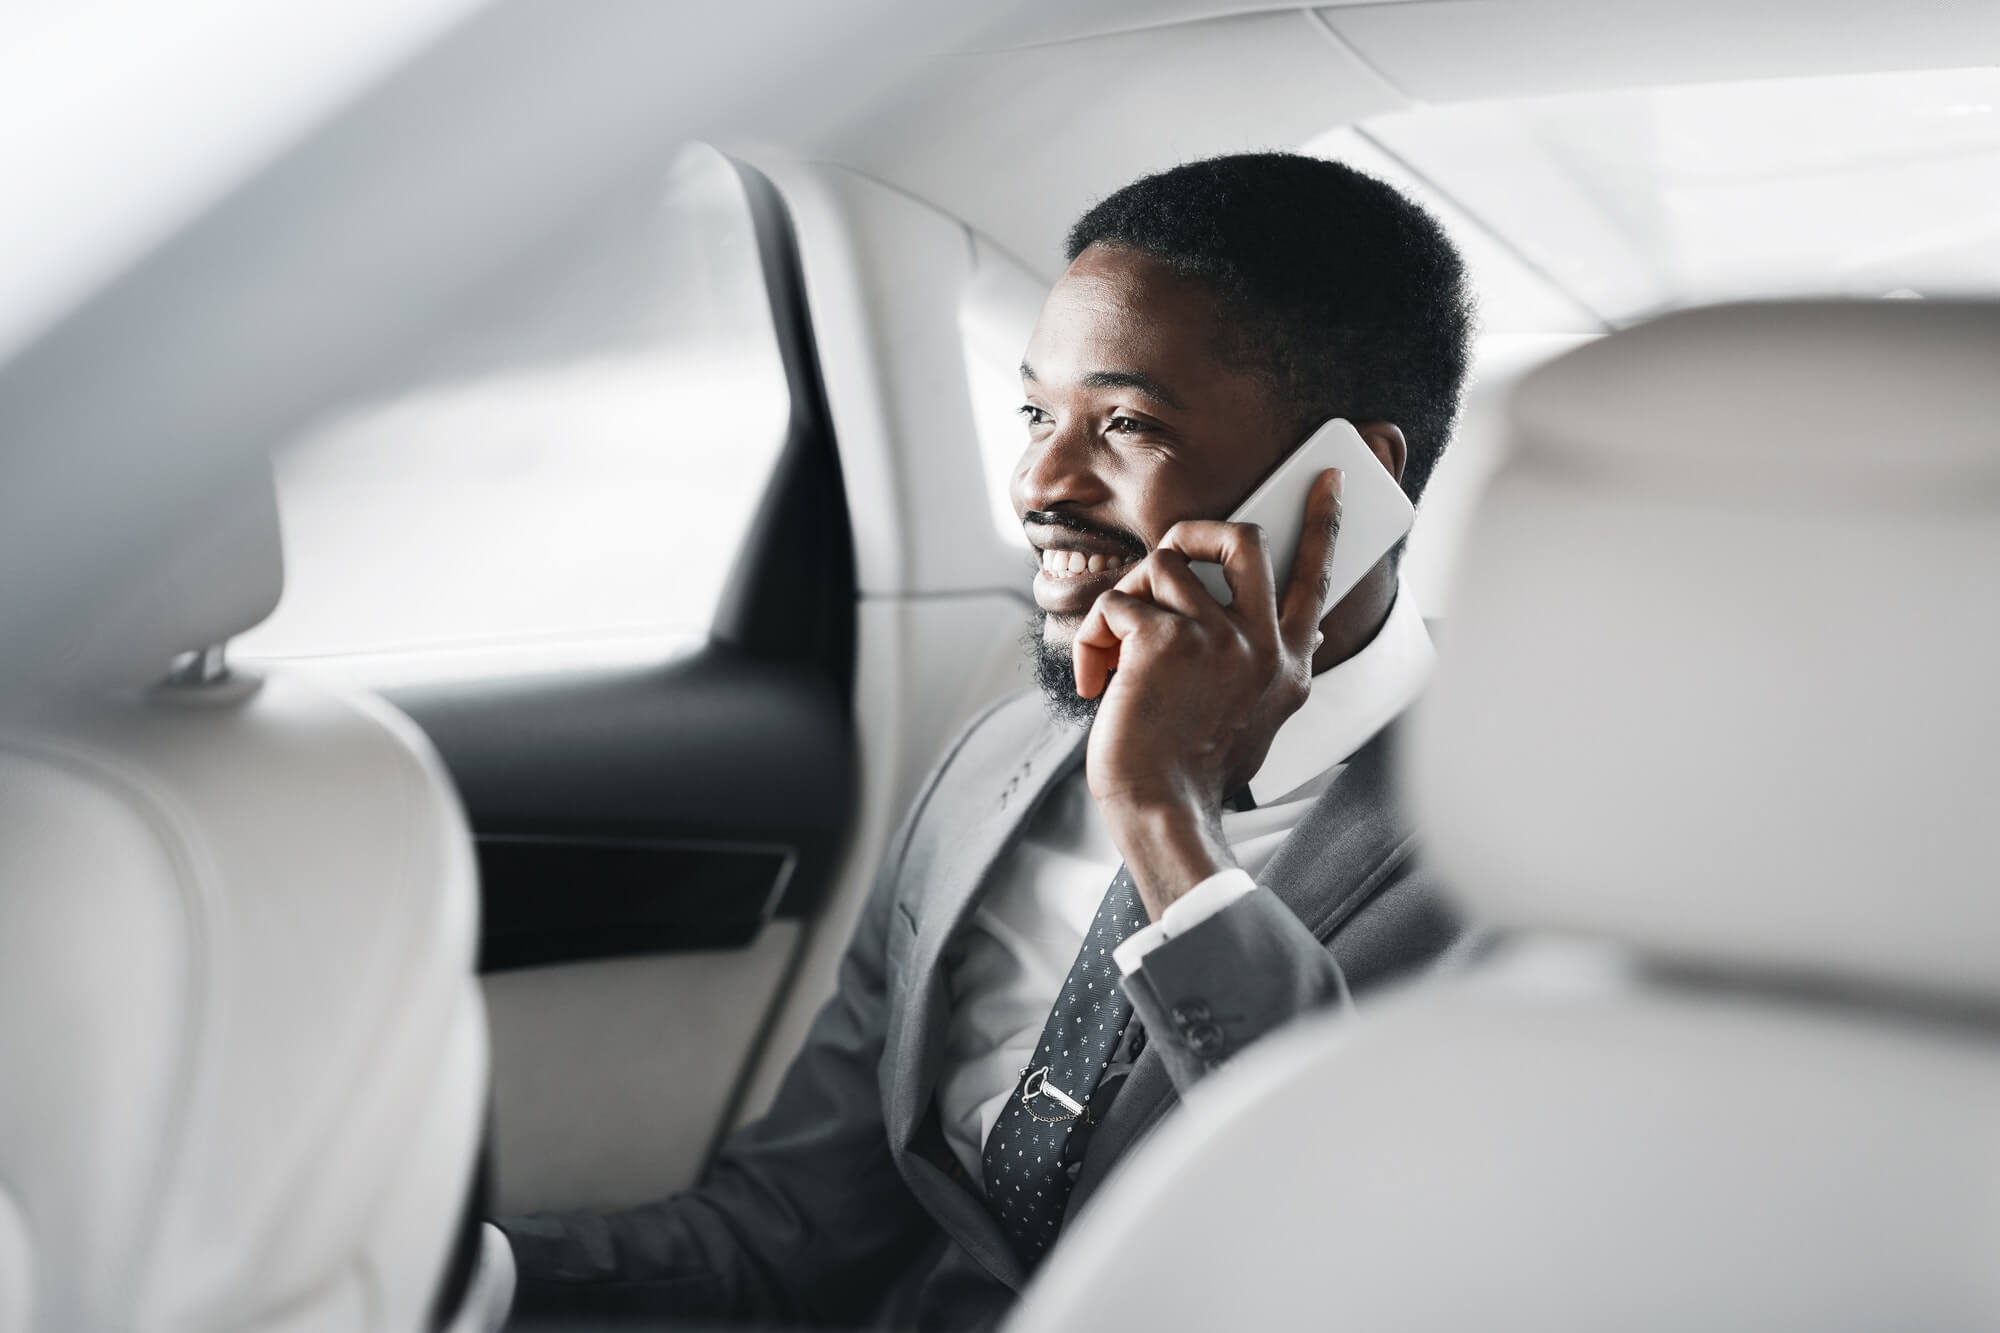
<point>1183,914</point>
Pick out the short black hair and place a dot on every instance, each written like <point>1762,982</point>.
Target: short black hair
<point>1345,292</point>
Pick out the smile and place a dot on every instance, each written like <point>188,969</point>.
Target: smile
<point>1076,564</point>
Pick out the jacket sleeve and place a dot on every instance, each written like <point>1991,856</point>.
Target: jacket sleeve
<point>1253,966</point>
<point>804,1217</point>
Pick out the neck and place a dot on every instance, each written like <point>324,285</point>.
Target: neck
<point>1357,618</point>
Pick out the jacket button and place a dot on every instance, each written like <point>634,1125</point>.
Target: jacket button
<point>1136,1043</point>
<point>1205,1040</point>
<point>1194,1011</point>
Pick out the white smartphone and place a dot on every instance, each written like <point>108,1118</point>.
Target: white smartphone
<point>1374,512</point>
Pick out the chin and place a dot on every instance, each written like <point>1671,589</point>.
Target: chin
<point>1048,642</point>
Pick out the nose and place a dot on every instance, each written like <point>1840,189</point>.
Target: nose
<point>1060,469</point>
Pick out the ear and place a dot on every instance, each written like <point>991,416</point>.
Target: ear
<point>1385,440</point>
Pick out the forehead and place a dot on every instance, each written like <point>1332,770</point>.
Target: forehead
<point>1117,310</point>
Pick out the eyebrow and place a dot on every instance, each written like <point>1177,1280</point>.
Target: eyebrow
<point>1118,379</point>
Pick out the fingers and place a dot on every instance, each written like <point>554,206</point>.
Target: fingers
<point>1163,587</point>
<point>1165,579</point>
<point>1304,603</point>
<point>1093,652</point>
<point>1237,547</point>
<point>1114,617</point>
<point>1096,647</point>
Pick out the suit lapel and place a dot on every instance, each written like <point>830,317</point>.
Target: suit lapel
<point>960,872</point>
<point>1147,1095</point>
<point>1346,847</point>
<point>975,834</point>
<point>1327,870</point>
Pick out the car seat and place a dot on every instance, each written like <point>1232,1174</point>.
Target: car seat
<point>1715,741</point>
<point>242,1052</point>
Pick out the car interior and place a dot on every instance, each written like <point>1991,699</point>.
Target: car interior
<point>1713,1043</point>
<point>505,503</point>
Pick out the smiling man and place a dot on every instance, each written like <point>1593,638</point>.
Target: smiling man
<point>1106,892</point>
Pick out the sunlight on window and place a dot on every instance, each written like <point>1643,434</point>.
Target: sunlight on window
<point>996,316</point>
<point>576,509</point>
<point>1644,200</point>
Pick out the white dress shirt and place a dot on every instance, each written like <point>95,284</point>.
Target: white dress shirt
<point>1005,967</point>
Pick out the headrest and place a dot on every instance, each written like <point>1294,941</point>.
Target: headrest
<point>218,575</point>
<point>1723,680</point>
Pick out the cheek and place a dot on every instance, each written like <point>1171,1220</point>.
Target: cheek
<point>1163,496</point>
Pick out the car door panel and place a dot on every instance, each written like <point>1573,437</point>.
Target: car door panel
<point>650,837</point>
<point>612,1079</point>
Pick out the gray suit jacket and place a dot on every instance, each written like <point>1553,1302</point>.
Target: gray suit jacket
<point>843,1205</point>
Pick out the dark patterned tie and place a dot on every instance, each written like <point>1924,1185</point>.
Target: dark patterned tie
<point>1027,1181</point>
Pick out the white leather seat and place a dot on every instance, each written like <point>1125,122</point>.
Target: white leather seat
<point>242,1053</point>
<point>1716,736</point>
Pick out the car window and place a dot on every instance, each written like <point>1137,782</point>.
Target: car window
<point>1639,200</point>
<point>996,315</point>
<point>1582,212</point>
<point>566,482</point>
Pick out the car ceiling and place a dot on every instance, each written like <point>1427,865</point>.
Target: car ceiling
<point>307,280</point>
<point>1056,103</point>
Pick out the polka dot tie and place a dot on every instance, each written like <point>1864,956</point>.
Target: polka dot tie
<point>1027,1185</point>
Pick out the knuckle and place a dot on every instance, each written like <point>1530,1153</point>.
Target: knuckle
<point>1295,692</point>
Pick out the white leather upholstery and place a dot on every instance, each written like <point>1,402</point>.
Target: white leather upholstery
<point>1508,1156</point>
<point>243,1052</point>
<point>1727,642</point>
<point>1714,731</point>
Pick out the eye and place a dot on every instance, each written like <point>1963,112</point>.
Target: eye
<point>1123,425</point>
<point>1034,416</point>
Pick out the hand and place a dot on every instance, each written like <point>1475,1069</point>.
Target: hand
<point>1199,689</point>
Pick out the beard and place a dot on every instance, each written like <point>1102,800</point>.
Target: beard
<point>1055,672</point>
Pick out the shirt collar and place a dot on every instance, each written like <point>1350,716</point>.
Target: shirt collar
<point>1350,702</point>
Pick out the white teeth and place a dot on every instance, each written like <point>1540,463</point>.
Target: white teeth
<point>1065,564</point>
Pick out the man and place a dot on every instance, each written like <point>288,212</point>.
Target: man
<point>1006,1027</point>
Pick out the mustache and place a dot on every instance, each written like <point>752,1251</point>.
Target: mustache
<point>1053,518</point>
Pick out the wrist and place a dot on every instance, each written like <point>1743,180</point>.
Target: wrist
<point>1169,847</point>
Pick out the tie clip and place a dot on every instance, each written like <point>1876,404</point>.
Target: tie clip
<point>1037,1084</point>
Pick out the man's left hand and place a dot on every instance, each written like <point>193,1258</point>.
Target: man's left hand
<point>1194,691</point>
